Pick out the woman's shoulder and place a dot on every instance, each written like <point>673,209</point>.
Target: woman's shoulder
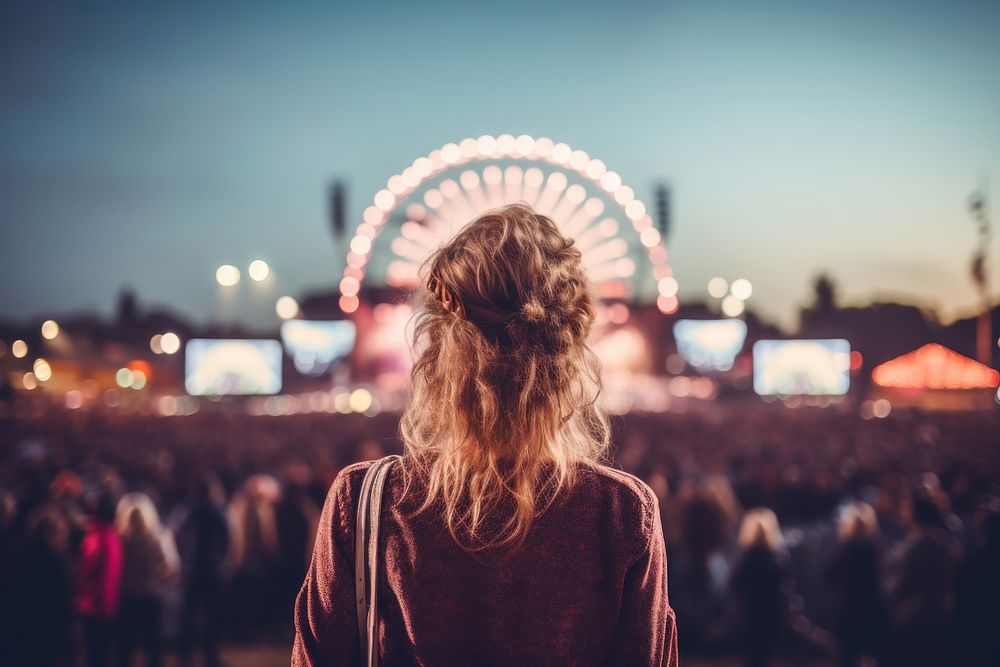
<point>622,495</point>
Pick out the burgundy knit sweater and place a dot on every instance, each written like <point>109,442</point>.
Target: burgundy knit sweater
<point>589,585</point>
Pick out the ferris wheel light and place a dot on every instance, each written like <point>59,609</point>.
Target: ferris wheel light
<point>576,193</point>
<point>625,267</point>
<point>608,227</point>
<point>384,200</point>
<point>624,195</point>
<point>649,237</point>
<point>595,169</point>
<point>561,153</point>
<point>423,167</point>
<point>667,304</point>
<point>361,245</point>
<point>635,209</point>
<point>667,286</point>
<point>433,198</point>
<point>416,212</point>
<point>411,178</point>
<point>396,185</point>
<point>513,175</point>
<point>524,145</point>
<point>492,175</point>
<point>373,216</point>
<point>594,206</point>
<point>349,286</point>
<point>458,198</point>
<point>533,177</point>
<point>486,145</point>
<point>469,179</point>
<point>557,181</point>
<point>469,147</point>
<point>451,153</point>
<point>611,181</point>
<point>505,144</point>
<point>349,304</point>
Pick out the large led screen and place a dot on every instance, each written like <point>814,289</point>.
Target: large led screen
<point>232,366</point>
<point>315,346</point>
<point>796,367</point>
<point>710,345</point>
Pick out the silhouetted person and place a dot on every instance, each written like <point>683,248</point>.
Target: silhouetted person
<point>977,609</point>
<point>42,592</point>
<point>861,618</point>
<point>99,570</point>
<point>921,588</point>
<point>150,560</point>
<point>756,585</point>
<point>203,544</point>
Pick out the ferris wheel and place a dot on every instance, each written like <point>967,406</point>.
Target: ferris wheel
<point>431,199</point>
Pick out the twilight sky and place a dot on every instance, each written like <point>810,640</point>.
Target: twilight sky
<point>147,145</point>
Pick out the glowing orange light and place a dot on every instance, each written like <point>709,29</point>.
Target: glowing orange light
<point>934,366</point>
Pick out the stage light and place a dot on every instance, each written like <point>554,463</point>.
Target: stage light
<point>170,343</point>
<point>43,371</point>
<point>29,381</point>
<point>258,270</point>
<point>124,378</point>
<point>227,275</point>
<point>19,349</point>
<point>717,287</point>
<point>50,329</point>
<point>741,289</point>
<point>732,307</point>
<point>286,307</point>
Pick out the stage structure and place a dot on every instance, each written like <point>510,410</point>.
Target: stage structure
<point>425,204</point>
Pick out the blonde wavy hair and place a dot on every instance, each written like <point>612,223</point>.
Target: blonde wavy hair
<point>504,391</point>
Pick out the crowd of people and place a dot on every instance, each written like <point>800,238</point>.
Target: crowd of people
<point>806,532</point>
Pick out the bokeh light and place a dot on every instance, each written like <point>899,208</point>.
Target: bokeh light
<point>170,343</point>
<point>50,329</point>
<point>741,289</point>
<point>42,369</point>
<point>19,349</point>
<point>732,307</point>
<point>124,378</point>
<point>286,307</point>
<point>258,270</point>
<point>718,287</point>
<point>227,275</point>
<point>29,381</point>
<point>156,344</point>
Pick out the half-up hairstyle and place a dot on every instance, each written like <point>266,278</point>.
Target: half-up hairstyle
<point>503,404</point>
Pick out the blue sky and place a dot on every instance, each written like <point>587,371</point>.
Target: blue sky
<point>147,145</point>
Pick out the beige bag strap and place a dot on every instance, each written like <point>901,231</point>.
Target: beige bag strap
<point>366,556</point>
